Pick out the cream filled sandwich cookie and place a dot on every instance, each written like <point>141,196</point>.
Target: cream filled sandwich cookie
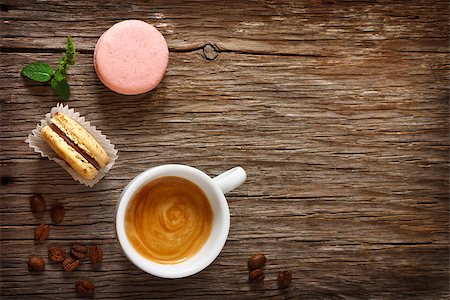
<point>131,57</point>
<point>75,145</point>
<point>86,154</point>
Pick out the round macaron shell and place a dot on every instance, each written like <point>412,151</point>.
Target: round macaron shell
<point>131,57</point>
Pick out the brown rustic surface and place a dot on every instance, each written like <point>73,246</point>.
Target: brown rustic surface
<point>338,110</point>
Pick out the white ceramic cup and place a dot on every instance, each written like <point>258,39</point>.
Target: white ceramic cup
<point>214,190</point>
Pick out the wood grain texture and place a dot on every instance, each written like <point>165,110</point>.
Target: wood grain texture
<point>338,111</point>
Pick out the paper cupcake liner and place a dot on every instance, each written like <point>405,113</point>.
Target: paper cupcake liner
<point>39,145</point>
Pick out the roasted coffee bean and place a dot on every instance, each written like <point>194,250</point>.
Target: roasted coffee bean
<point>284,279</point>
<point>36,263</point>
<point>70,264</point>
<point>58,214</point>
<point>41,232</point>
<point>79,251</point>
<point>37,203</point>
<point>257,261</point>
<point>85,287</point>
<point>95,254</point>
<point>57,254</point>
<point>256,275</point>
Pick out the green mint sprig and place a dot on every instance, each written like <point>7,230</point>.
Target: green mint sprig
<point>42,72</point>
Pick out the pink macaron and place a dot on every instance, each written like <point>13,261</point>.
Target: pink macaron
<point>131,57</point>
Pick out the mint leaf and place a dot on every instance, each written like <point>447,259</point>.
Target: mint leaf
<point>59,75</point>
<point>38,71</point>
<point>42,72</point>
<point>61,88</point>
<point>59,82</point>
<point>69,57</point>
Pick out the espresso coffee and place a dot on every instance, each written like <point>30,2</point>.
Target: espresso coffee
<point>168,220</point>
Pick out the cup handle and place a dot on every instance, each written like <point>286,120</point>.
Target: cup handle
<point>231,179</point>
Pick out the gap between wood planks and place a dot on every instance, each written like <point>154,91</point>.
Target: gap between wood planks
<point>210,51</point>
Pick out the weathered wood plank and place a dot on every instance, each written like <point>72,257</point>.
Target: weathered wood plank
<point>318,271</point>
<point>338,112</point>
<point>286,27</point>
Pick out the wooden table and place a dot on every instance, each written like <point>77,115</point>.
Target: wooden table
<point>338,111</point>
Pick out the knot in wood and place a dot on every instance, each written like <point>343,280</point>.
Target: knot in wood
<point>5,180</point>
<point>5,7</point>
<point>210,52</point>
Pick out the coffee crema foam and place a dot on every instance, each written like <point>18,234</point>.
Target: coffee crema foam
<point>168,220</point>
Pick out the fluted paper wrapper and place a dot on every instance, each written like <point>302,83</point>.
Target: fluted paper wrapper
<point>39,145</point>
